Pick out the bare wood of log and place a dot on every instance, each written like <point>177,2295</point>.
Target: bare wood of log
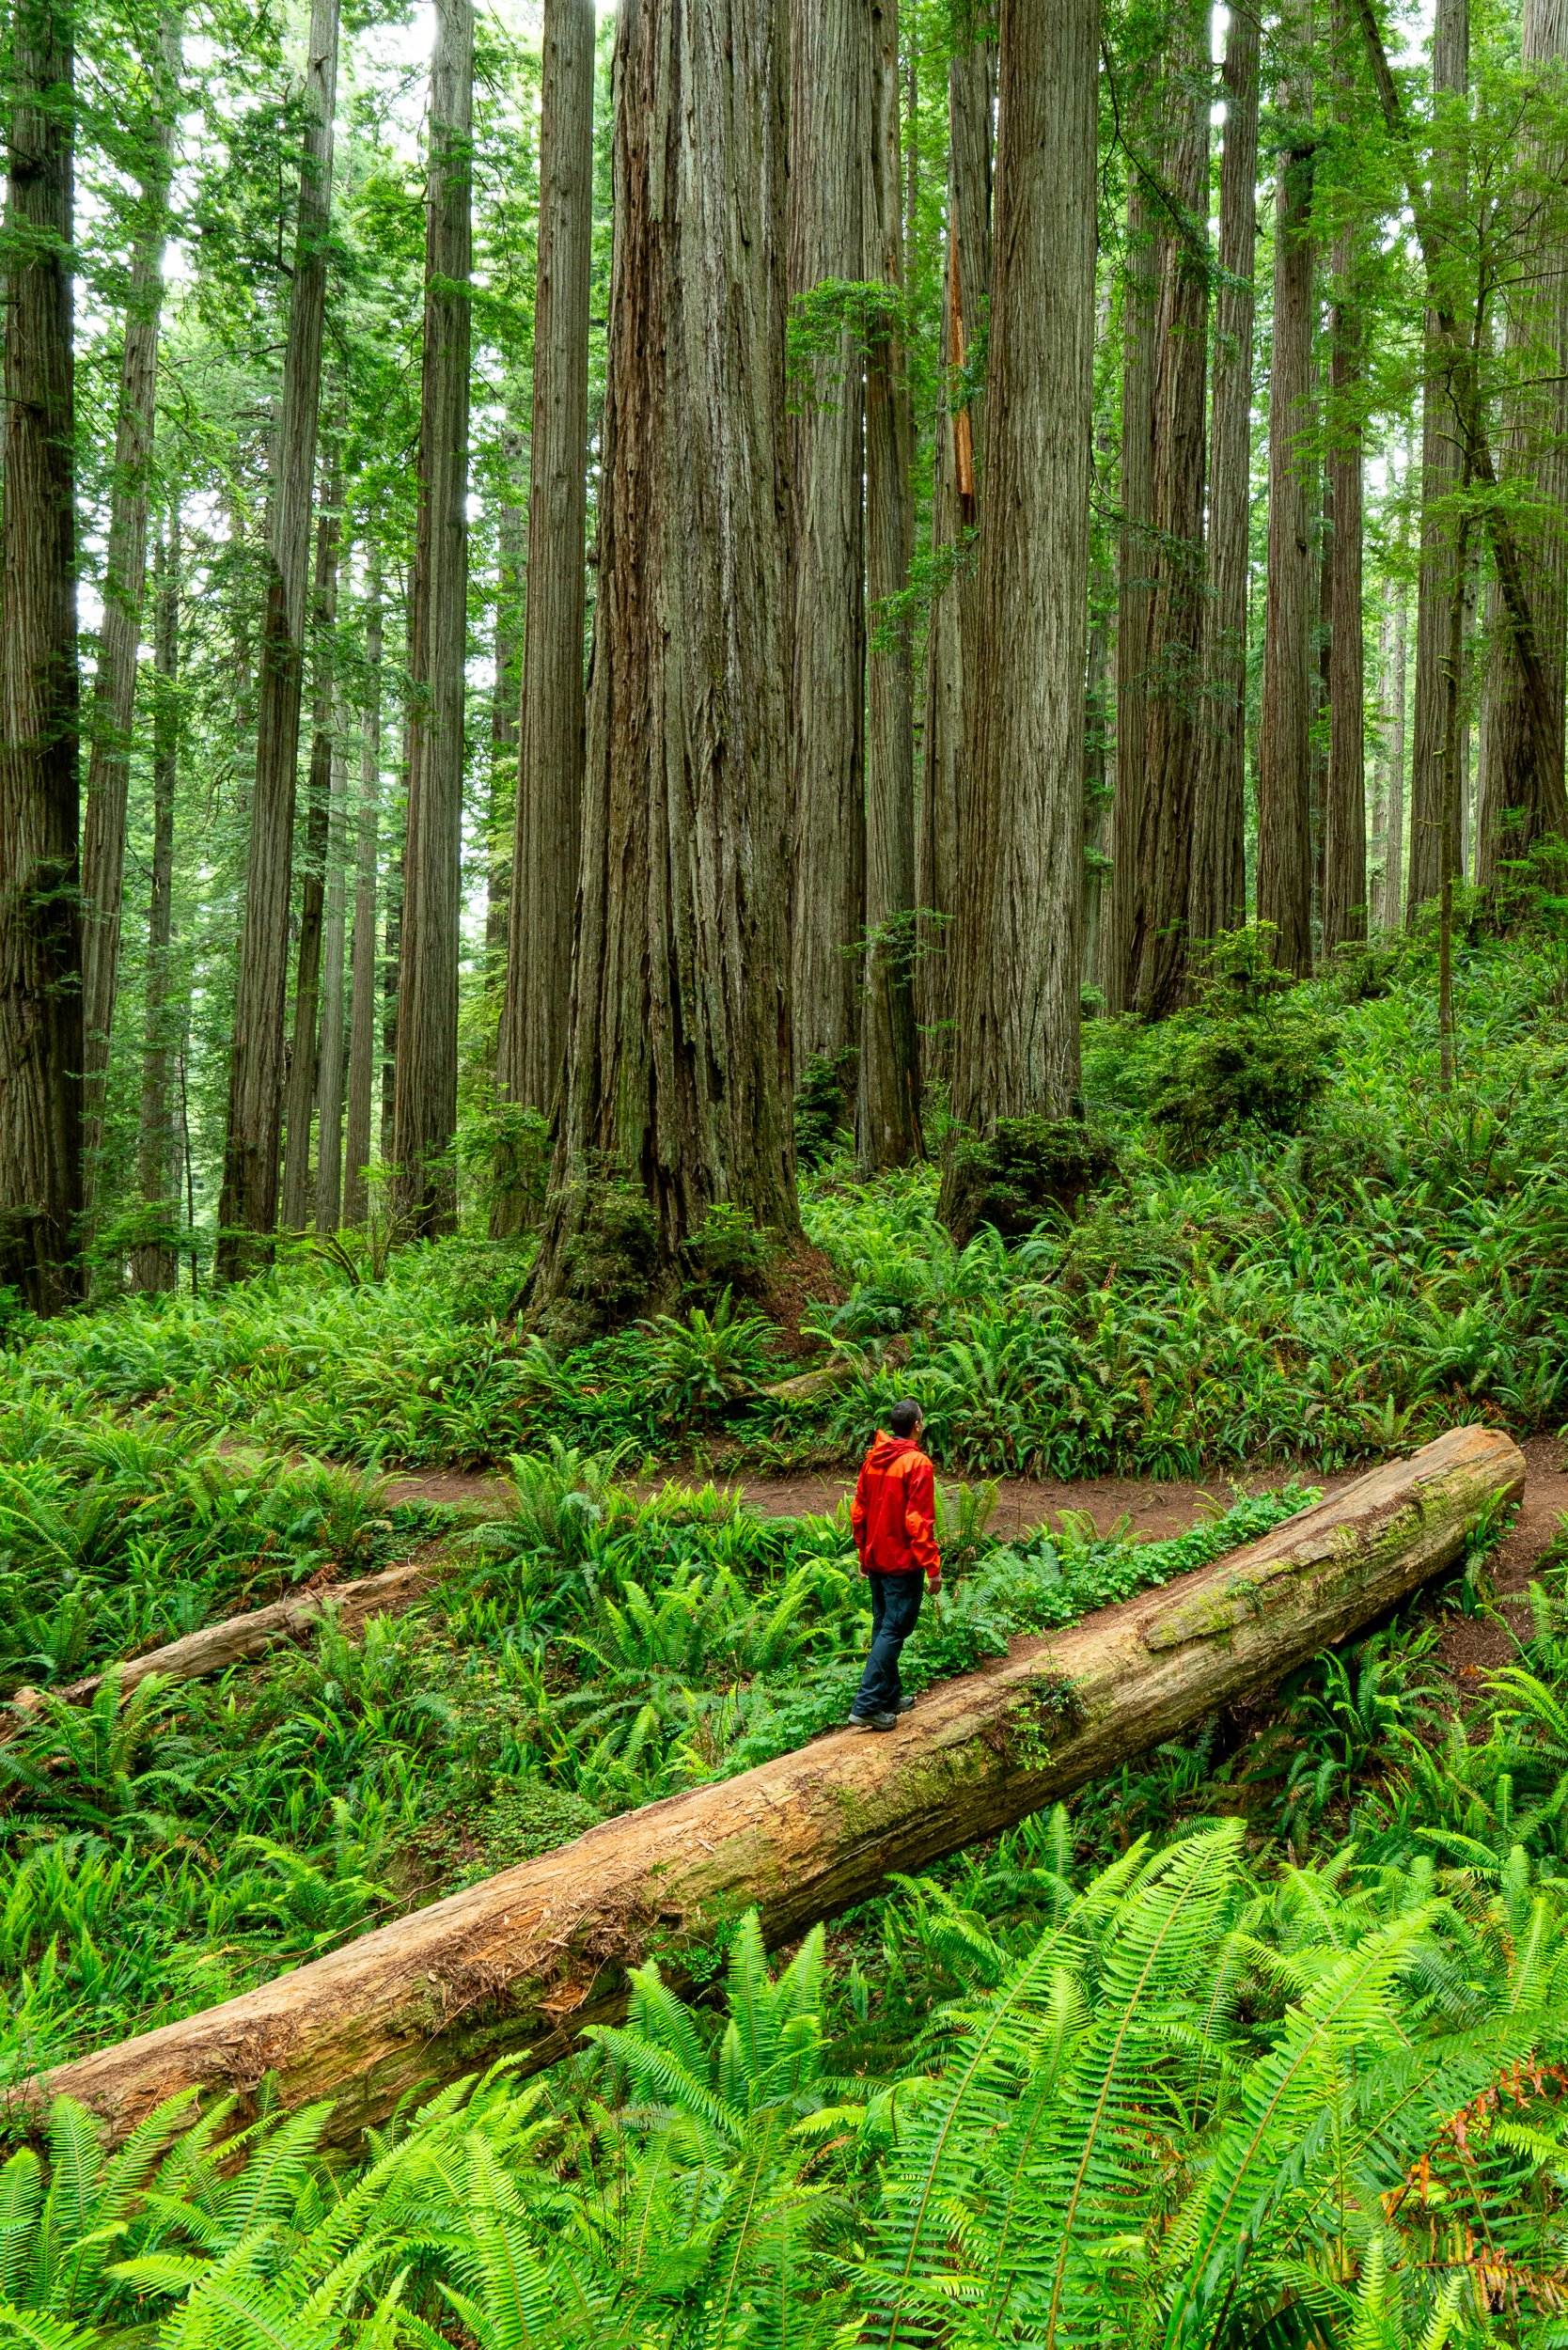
<point>519,1965</point>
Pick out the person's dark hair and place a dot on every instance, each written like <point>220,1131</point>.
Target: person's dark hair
<point>905,1417</point>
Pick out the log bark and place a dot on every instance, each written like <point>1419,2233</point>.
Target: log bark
<point>828,66</point>
<point>519,1965</point>
<point>238,1639</point>
<point>424,1100</point>
<point>1016,937</point>
<point>40,932</point>
<point>124,580</point>
<point>549,755</point>
<point>1216,899</point>
<point>679,1077</point>
<point>1284,730</point>
<point>247,1211</point>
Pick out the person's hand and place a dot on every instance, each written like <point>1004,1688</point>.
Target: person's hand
<point>933,1583</point>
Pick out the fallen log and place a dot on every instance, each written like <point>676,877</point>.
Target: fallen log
<point>217,1646</point>
<point>519,1965</point>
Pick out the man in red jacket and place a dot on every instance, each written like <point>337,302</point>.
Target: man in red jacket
<point>894,1517</point>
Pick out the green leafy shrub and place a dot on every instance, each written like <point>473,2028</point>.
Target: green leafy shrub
<point>1255,1054</point>
<point>728,1252</point>
<point>1013,1178</point>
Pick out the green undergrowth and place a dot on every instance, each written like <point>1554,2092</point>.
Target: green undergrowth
<point>587,1653</point>
<point>1396,1262</point>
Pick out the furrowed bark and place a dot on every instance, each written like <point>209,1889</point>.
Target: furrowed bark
<point>501,815</point>
<point>1135,560</point>
<point>1284,736</point>
<point>424,1100</point>
<point>1021,842</point>
<point>1344,863</point>
<point>299,1097</point>
<point>362,964</point>
<point>550,753</point>
<point>519,1965</point>
<point>828,109</point>
<point>124,581</point>
<point>247,1211</point>
<point>153,1262</point>
<point>1216,898</point>
<point>329,1070</point>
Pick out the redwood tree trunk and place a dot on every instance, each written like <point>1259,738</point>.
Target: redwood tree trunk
<point>1216,896</point>
<point>1522,797</point>
<point>960,432</point>
<point>678,1073</point>
<point>247,1212</point>
<point>424,1111</point>
<point>545,849</point>
<point>41,934</point>
<point>830,127</point>
<point>888,1113</point>
<point>154,1265</point>
<point>1284,732</point>
<point>329,1071</point>
<point>362,971</point>
<point>1158,947</point>
<point>1442,443</point>
<point>501,816</point>
<point>1134,566</point>
<point>1344,869</point>
<point>1393,855</point>
<point>299,1098</point>
<point>1021,847</point>
<point>124,581</point>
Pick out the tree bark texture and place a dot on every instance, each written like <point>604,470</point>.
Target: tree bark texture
<point>1284,732</point>
<point>1443,438</point>
<point>124,582</point>
<point>329,1074</point>
<point>424,1112</point>
<point>1021,846</point>
<point>520,1965</point>
<point>1216,895</point>
<point>950,639</point>
<point>154,1265</point>
<point>887,1112</point>
<point>362,969</point>
<point>505,696</point>
<point>830,127</point>
<point>1393,855</point>
<point>1157,947</point>
<point>545,848</point>
<point>299,1095</point>
<point>1522,797</point>
<point>679,1074</point>
<point>1135,560</point>
<point>41,937</point>
<point>247,1213</point>
<point>1344,891</point>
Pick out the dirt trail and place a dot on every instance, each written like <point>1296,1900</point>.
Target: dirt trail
<point>1153,1507</point>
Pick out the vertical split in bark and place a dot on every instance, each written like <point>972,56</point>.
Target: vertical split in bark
<point>679,1075</point>
<point>362,974</point>
<point>888,1113</point>
<point>829,105</point>
<point>247,1212</point>
<point>1157,944</point>
<point>329,1081</point>
<point>154,1265</point>
<point>40,935</point>
<point>1521,797</point>
<point>1021,847</point>
<point>1432,849</point>
<point>1216,896</point>
<point>299,1097</point>
<point>1284,732</point>
<point>548,829</point>
<point>424,1116</point>
<point>960,433</point>
<point>124,581</point>
<point>1345,894</point>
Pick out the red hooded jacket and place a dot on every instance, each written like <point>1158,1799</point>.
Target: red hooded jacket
<point>894,1513</point>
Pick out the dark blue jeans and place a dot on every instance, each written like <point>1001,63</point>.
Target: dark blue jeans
<point>894,1605</point>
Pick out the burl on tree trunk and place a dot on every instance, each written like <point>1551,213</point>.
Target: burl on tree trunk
<point>519,1965</point>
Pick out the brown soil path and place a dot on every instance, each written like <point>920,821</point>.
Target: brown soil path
<point>1151,1507</point>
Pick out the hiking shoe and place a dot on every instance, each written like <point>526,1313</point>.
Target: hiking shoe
<point>906,1705</point>
<point>874,1721</point>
